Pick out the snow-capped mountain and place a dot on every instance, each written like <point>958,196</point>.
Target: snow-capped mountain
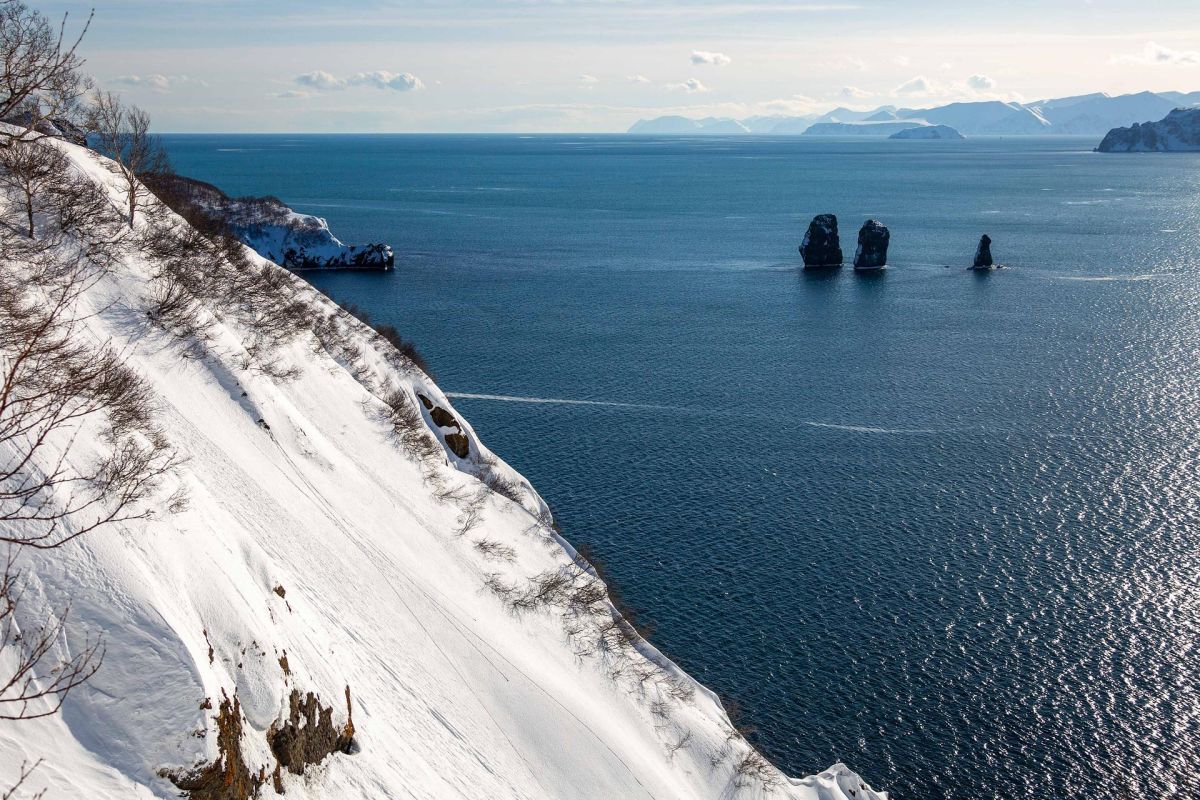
<point>1078,115</point>
<point>343,593</point>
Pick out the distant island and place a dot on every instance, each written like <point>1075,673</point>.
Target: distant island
<point>1177,131</point>
<point>862,128</point>
<point>1088,114</point>
<point>928,132</point>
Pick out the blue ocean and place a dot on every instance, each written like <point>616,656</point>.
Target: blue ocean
<point>940,525</point>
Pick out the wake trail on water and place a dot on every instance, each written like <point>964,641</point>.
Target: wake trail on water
<point>506,398</point>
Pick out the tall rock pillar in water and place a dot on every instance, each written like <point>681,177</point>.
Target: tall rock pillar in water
<point>821,247</point>
<point>872,250</point>
<point>983,253</point>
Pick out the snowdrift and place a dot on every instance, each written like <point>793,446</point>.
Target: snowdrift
<point>347,535</point>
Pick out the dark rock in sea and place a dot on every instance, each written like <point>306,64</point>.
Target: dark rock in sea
<point>821,246</point>
<point>872,250</point>
<point>983,253</point>
<point>1178,130</point>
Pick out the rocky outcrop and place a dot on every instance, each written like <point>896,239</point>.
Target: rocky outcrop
<point>873,239</point>
<point>983,253</point>
<point>266,225</point>
<point>1179,130</point>
<point>821,246</point>
<point>452,433</point>
<point>308,735</point>
<point>227,777</point>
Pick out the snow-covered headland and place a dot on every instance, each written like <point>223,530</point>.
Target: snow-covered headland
<point>271,229</point>
<point>1179,130</point>
<point>341,592</point>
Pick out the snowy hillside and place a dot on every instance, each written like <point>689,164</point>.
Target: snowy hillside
<point>345,534</point>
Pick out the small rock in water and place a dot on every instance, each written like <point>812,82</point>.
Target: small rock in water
<point>983,254</point>
<point>872,250</point>
<point>822,247</point>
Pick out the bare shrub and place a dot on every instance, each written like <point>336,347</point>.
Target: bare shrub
<point>408,426</point>
<point>123,134</point>
<point>42,84</point>
<point>753,769</point>
<point>497,482</point>
<point>37,681</point>
<point>51,382</point>
<point>28,172</point>
<point>472,514</point>
<point>409,356</point>
<point>495,551</point>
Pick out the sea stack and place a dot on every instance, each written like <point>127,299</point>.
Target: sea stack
<point>821,247</point>
<point>872,250</point>
<point>983,253</point>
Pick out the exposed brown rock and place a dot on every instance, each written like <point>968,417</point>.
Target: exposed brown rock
<point>459,444</point>
<point>308,734</point>
<point>227,778</point>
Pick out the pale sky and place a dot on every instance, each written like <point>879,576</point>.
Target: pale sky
<point>599,65</point>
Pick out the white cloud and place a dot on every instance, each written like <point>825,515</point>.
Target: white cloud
<point>323,81</point>
<point>981,82</point>
<point>589,80</point>
<point>638,79</point>
<point>903,61</point>
<point>382,79</point>
<point>155,82</point>
<point>705,57</point>
<point>320,79</point>
<point>1156,54</point>
<point>854,93</point>
<point>691,86</point>
<point>915,86</point>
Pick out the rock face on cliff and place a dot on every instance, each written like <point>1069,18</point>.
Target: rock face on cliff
<point>983,253</point>
<point>821,246</point>
<point>873,239</point>
<point>267,226</point>
<point>1179,130</point>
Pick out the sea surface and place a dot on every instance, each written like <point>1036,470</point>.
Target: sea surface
<point>942,526</point>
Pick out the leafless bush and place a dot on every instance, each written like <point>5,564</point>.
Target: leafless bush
<point>753,769</point>
<point>26,771</point>
<point>409,356</point>
<point>472,514</point>
<point>37,681</point>
<point>51,382</point>
<point>495,551</point>
<point>684,740</point>
<point>29,170</point>
<point>499,483</point>
<point>42,84</point>
<point>123,134</point>
<point>408,426</point>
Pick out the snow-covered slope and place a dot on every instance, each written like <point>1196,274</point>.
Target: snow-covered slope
<point>401,573</point>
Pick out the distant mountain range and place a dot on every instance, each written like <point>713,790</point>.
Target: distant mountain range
<point>1086,114</point>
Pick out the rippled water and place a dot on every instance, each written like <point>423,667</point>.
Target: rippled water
<point>943,526</point>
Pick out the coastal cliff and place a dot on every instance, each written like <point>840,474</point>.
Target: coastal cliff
<point>337,590</point>
<point>1178,131</point>
<point>274,231</point>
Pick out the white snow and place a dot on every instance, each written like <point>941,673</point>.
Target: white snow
<point>453,695</point>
